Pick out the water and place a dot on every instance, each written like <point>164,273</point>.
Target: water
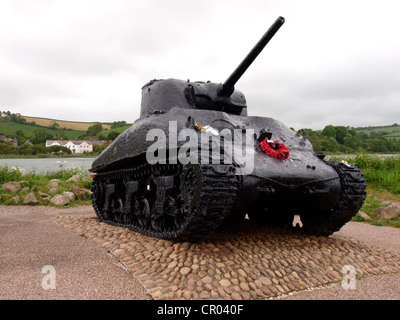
<point>346,156</point>
<point>48,164</point>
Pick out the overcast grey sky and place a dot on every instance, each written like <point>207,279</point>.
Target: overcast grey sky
<point>332,62</point>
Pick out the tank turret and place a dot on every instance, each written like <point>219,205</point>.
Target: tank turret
<point>195,158</point>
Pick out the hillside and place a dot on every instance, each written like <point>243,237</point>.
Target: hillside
<point>10,129</point>
<point>37,130</point>
<point>73,125</point>
<point>389,132</point>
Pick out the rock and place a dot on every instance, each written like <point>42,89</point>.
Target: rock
<point>76,178</point>
<point>44,195</point>
<point>392,211</point>
<point>59,200</point>
<point>225,282</point>
<point>53,190</point>
<point>363,215</point>
<point>87,191</point>
<point>11,186</point>
<point>25,189</point>
<point>14,200</point>
<point>70,195</point>
<point>79,193</point>
<point>391,203</point>
<point>185,270</point>
<point>54,183</point>
<point>30,199</point>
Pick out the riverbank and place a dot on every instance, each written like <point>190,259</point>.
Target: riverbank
<point>45,165</point>
<point>67,187</point>
<point>45,156</point>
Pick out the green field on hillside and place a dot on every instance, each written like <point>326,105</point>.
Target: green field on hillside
<point>10,128</point>
<point>389,132</point>
<point>119,130</point>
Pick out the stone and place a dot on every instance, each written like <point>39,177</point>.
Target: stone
<point>363,215</point>
<point>79,192</point>
<point>207,280</point>
<point>14,200</point>
<point>185,270</point>
<point>44,196</point>
<point>265,281</point>
<point>225,282</point>
<point>24,189</point>
<point>59,200</point>
<point>30,199</point>
<point>236,296</point>
<point>76,178</point>
<point>389,212</point>
<point>53,190</point>
<point>54,183</point>
<point>12,186</point>
<point>70,195</point>
<point>244,286</point>
<point>187,295</point>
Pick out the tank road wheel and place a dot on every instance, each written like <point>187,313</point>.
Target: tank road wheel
<point>208,193</point>
<point>191,185</point>
<point>352,196</point>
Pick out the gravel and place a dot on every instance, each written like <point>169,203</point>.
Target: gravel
<point>93,260</point>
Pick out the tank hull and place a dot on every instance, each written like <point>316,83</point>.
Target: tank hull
<point>222,173</point>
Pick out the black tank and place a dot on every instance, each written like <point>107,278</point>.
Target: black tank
<point>194,158</point>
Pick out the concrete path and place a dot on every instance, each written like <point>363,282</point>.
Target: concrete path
<point>30,240</point>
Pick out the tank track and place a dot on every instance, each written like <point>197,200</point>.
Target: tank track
<point>173,202</point>
<point>353,193</point>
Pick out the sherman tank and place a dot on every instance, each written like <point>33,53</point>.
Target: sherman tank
<point>195,159</point>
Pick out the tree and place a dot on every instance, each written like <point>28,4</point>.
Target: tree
<point>59,149</point>
<point>118,124</point>
<point>329,131</point>
<point>340,134</point>
<point>54,125</point>
<point>19,134</point>
<point>112,135</point>
<point>94,129</point>
<point>330,144</point>
<point>41,136</point>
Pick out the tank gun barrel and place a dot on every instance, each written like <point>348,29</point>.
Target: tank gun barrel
<point>228,86</point>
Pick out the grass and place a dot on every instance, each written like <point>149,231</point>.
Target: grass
<point>10,128</point>
<point>383,183</point>
<point>391,132</point>
<point>119,130</point>
<point>374,201</point>
<point>383,179</point>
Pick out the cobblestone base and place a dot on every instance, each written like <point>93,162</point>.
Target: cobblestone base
<point>246,262</point>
